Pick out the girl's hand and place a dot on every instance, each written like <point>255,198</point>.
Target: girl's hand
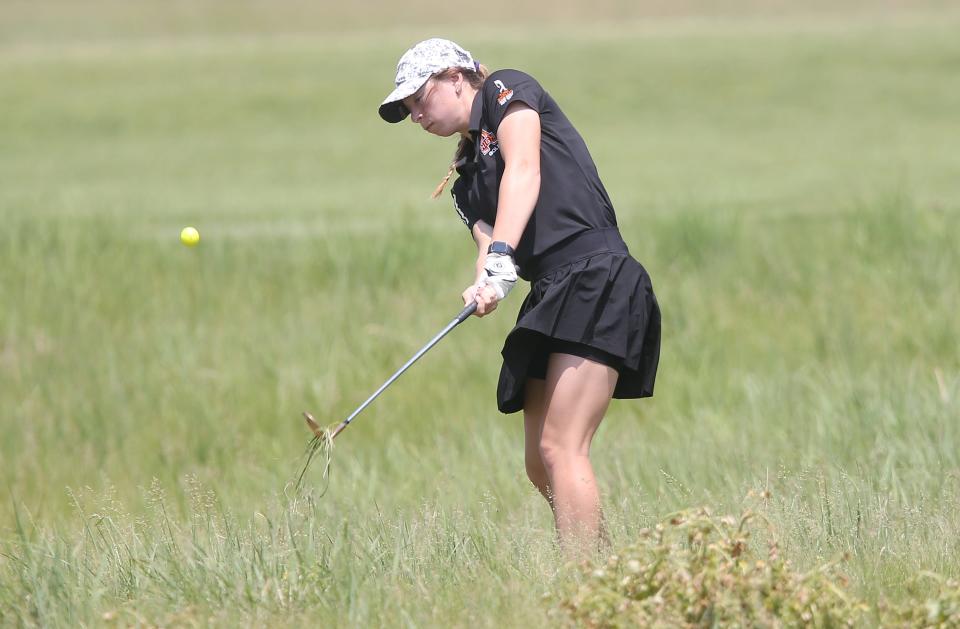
<point>485,296</point>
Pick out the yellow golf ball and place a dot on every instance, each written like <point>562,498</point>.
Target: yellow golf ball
<point>189,236</point>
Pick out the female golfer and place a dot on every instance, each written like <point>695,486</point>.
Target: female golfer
<point>529,192</point>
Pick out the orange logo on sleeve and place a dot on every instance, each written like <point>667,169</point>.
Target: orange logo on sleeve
<point>504,95</point>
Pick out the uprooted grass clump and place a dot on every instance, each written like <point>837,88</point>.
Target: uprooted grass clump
<point>697,570</point>
<point>321,445</point>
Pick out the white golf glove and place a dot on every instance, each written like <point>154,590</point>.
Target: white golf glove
<point>501,273</point>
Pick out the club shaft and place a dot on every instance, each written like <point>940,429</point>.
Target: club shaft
<point>460,318</point>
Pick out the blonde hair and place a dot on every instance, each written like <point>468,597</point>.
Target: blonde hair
<point>475,78</point>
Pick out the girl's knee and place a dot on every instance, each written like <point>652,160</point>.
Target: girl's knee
<point>536,471</point>
<point>553,454</point>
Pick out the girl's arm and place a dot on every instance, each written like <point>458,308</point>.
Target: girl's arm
<point>519,139</point>
<point>482,235</point>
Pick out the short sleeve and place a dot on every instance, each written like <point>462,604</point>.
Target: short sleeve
<point>462,205</point>
<point>504,87</point>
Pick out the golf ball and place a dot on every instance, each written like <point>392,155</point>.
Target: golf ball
<point>189,236</point>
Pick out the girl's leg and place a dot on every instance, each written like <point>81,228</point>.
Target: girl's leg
<point>533,410</point>
<point>576,395</point>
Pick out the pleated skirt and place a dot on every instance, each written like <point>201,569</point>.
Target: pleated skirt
<point>605,302</point>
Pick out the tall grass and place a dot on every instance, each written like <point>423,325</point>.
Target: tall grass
<point>790,189</point>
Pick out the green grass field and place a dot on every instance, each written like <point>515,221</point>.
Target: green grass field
<point>789,180</point>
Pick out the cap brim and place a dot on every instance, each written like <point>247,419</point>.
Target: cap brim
<point>393,111</point>
<point>392,108</point>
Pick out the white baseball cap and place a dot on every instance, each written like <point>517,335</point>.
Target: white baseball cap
<point>416,66</point>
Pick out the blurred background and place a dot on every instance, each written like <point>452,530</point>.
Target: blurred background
<point>787,172</point>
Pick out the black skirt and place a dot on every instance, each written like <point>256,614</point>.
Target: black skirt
<point>605,302</point>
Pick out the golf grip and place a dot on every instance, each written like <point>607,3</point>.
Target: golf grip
<point>460,318</point>
<point>468,310</point>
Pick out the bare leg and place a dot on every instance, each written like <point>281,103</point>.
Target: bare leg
<point>577,394</point>
<point>533,411</point>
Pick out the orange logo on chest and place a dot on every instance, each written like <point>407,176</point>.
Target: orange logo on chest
<point>488,143</point>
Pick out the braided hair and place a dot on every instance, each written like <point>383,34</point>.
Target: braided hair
<point>475,78</point>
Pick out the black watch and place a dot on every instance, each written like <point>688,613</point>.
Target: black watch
<point>498,246</point>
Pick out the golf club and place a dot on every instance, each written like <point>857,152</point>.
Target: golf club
<point>320,435</point>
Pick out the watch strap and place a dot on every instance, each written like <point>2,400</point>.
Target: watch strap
<point>498,246</point>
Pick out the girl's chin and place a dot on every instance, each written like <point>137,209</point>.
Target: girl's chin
<point>435,129</point>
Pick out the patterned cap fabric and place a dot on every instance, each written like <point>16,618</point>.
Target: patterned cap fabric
<point>416,66</point>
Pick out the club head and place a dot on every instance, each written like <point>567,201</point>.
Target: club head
<point>314,426</point>
<point>319,432</point>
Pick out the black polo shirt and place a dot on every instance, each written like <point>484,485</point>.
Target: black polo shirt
<point>572,198</point>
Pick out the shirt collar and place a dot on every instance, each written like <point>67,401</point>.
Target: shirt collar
<point>476,111</point>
